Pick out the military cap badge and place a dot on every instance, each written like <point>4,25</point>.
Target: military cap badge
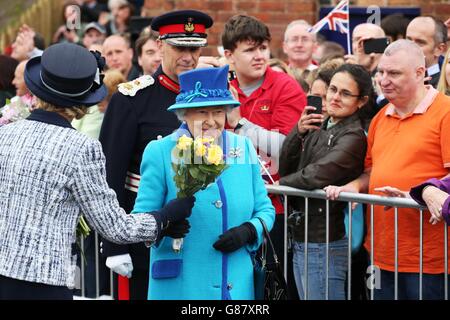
<point>189,26</point>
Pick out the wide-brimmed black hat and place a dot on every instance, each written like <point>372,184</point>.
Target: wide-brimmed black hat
<point>183,28</point>
<point>66,75</point>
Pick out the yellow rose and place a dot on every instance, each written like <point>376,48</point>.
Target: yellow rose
<point>215,155</point>
<point>200,148</point>
<point>207,140</point>
<point>184,142</point>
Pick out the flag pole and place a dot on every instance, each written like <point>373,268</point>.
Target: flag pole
<point>349,44</point>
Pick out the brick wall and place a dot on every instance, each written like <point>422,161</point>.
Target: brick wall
<point>276,14</point>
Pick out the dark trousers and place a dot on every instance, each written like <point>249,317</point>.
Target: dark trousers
<point>13,289</point>
<point>360,262</point>
<point>138,285</point>
<point>408,286</point>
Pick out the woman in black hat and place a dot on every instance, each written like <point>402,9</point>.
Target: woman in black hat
<point>50,173</point>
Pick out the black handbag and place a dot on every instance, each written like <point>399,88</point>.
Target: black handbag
<point>268,277</point>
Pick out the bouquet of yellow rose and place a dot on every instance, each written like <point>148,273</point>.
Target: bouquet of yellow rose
<point>196,163</point>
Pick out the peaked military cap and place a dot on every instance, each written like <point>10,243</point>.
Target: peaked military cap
<point>183,28</point>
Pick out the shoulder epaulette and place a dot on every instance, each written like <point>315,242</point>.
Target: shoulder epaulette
<point>131,87</point>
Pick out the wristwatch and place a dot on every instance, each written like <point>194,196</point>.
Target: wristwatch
<point>240,124</point>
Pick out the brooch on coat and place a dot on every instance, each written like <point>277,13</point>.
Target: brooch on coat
<point>235,152</point>
<point>130,88</point>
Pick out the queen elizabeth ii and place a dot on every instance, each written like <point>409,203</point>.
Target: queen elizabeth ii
<point>225,225</point>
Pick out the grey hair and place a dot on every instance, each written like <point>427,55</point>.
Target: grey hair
<point>440,34</point>
<point>410,48</point>
<point>294,23</point>
<point>181,113</point>
<point>229,108</point>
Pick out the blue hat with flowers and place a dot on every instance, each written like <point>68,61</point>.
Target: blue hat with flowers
<point>205,87</point>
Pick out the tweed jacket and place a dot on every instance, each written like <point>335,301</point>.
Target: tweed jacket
<point>50,173</point>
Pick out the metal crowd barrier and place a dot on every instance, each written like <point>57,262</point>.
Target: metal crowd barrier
<point>370,200</point>
<point>81,280</point>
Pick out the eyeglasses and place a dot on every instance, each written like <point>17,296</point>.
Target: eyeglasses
<point>344,94</point>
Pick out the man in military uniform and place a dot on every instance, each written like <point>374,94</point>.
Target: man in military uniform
<point>138,114</point>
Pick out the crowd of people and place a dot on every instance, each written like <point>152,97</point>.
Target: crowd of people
<point>378,127</point>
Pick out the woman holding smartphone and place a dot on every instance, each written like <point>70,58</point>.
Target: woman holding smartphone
<point>319,151</point>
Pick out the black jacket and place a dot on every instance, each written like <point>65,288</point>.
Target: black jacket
<point>435,79</point>
<point>130,123</point>
<point>91,14</point>
<point>316,160</point>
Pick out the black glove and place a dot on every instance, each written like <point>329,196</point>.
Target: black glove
<point>235,238</point>
<point>177,229</point>
<point>175,210</point>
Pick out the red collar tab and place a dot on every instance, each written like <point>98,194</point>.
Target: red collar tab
<point>182,28</point>
<point>169,83</point>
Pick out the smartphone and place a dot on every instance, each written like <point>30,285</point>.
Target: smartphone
<point>377,45</point>
<point>231,75</point>
<point>314,101</point>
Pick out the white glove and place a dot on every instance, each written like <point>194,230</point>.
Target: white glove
<point>121,264</point>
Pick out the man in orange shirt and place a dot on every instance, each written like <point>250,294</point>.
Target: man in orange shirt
<point>407,144</point>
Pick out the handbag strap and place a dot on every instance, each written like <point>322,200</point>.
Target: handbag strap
<point>266,235</point>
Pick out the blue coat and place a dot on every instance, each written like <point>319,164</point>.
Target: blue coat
<point>238,196</point>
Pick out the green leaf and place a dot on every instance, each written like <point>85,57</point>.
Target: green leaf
<point>177,179</point>
<point>207,168</point>
<point>194,171</point>
<point>202,177</point>
<point>181,194</point>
